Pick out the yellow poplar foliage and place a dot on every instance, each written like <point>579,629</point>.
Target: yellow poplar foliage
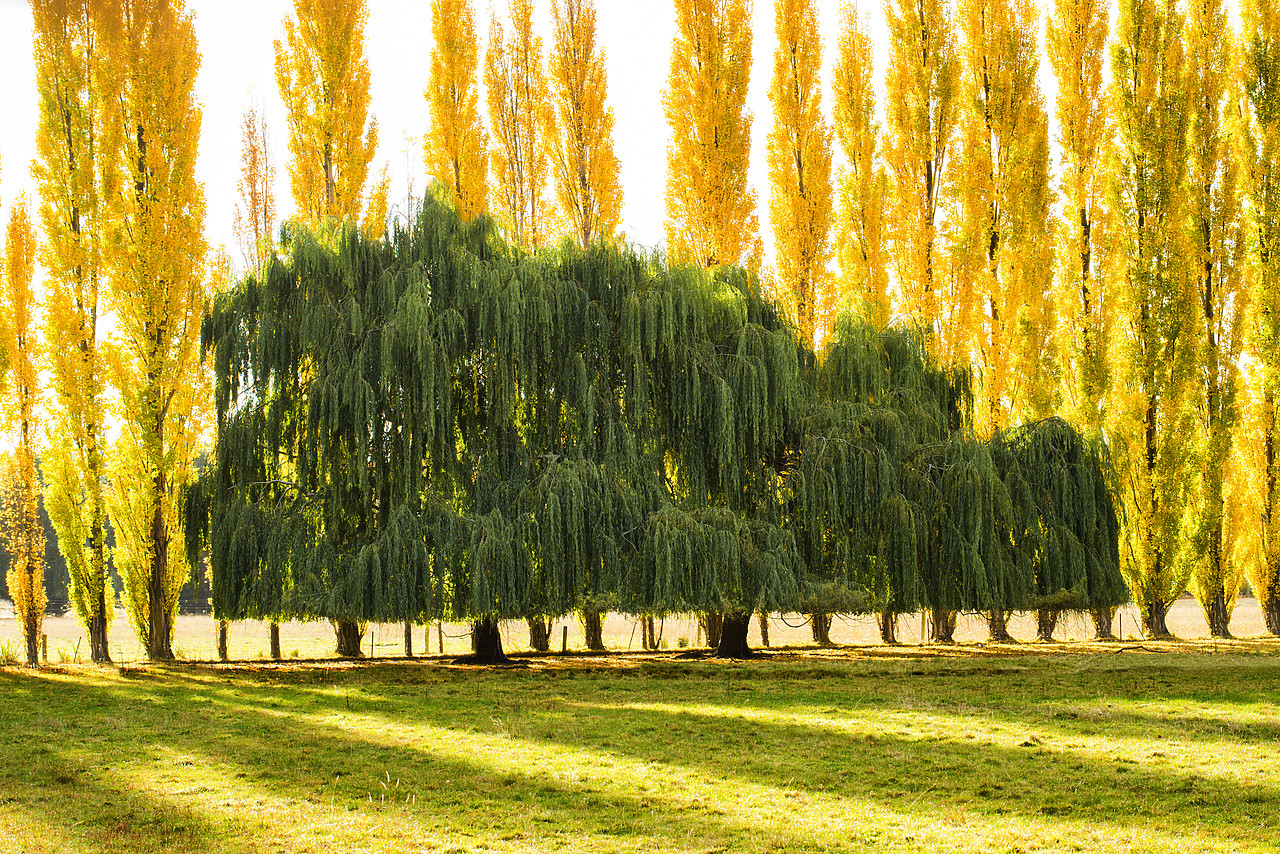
<point>256,205</point>
<point>711,211</point>
<point>1003,246</point>
<point>23,534</point>
<point>159,297</point>
<point>1075,39</point>
<point>860,216</point>
<point>1152,414</point>
<point>323,77</point>
<point>799,158</point>
<point>456,145</point>
<point>585,167</point>
<point>920,95</point>
<point>74,141</point>
<point>1217,241</point>
<point>1261,133</point>
<point>521,122</point>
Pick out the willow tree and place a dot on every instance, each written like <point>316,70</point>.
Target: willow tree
<point>1261,125</point>
<point>1075,40</point>
<point>1063,523</point>
<point>711,210</point>
<point>1156,326</point>
<point>158,297</point>
<point>74,141</point>
<point>799,157</point>
<point>920,143</point>
<point>583,163</point>
<point>1217,243</point>
<point>861,226</point>
<point>516,88</point>
<point>456,146</point>
<point>323,77</point>
<point>23,534</point>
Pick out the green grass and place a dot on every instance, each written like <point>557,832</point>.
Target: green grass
<point>889,750</point>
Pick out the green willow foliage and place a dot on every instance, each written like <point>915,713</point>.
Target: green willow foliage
<point>438,426</point>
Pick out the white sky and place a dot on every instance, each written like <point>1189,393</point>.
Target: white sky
<point>236,39</point>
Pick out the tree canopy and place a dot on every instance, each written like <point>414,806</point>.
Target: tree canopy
<point>440,426</point>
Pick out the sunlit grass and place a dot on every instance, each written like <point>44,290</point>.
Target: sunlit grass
<point>932,751</point>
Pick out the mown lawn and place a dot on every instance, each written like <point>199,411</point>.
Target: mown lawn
<point>1098,748</point>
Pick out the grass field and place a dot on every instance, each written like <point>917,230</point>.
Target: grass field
<point>1093,747</point>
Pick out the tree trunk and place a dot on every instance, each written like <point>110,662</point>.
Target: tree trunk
<point>1217,615</point>
<point>1102,618</point>
<point>1046,622</point>
<point>764,629</point>
<point>820,625</point>
<point>539,633</point>
<point>733,635</point>
<point>273,632</point>
<point>712,626</point>
<point>222,640</point>
<point>942,625</point>
<point>593,628</point>
<point>488,643</point>
<point>408,639</point>
<point>1269,599</point>
<point>651,626</point>
<point>159,620</point>
<point>888,623</point>
<point>32,632</point>
<point>998,626</point>
<point>98,651</point>
<point>349,636</point>
<point>1153,620</point>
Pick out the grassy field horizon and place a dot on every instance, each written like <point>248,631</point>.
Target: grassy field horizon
<point>1118,747</point>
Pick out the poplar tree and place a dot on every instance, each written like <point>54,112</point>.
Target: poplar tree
<point>711,210</point>
<point>1261,125</point>
<point>799,158</point>
<point>861,226</point>
<point>1004,245</point>
<point>919,145</point>
<point>74,142</point>
<point>1076,39</point>
<point>256,203</point>
<point>323,77</point>
<point>516,89</point>
<point>158,296</point>
<point>1157,327</point>
<point>22,531</point>
<point>1217,241</point>
<point>582,157</point>
<point>456,146</point>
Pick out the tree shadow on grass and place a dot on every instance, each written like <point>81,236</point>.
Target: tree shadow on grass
<point>321,776</point>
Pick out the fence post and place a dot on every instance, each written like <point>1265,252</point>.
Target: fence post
<point>564,639</point>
